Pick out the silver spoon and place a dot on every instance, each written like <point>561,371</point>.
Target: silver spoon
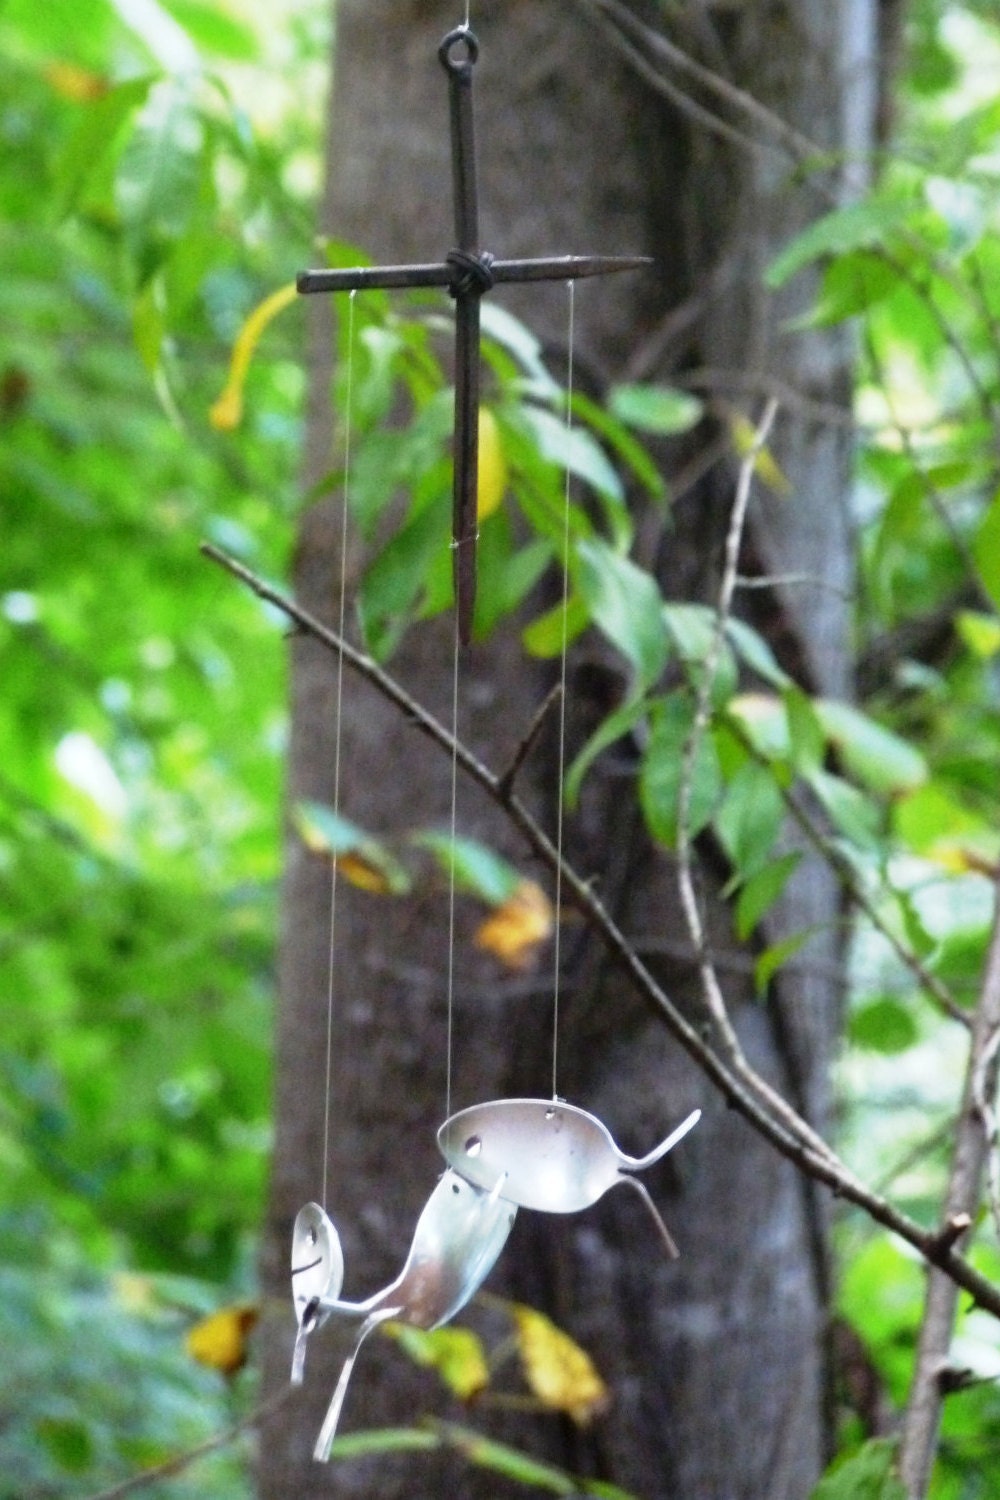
<point>456,1242</point>
<point>548,1155</point>
<point>317,1272</point>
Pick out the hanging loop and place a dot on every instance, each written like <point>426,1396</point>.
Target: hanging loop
<point>454,62</point>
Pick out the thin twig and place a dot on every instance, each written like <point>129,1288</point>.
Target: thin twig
<point>505,782</point>
<point>799,147</point>
<point>923,1413</point>
<point>182,1461</point>
<point>678,98</point>
<point>841,866</point>
<point>984,1091</point>
<point>710,987</point>
<point>833,1173</point>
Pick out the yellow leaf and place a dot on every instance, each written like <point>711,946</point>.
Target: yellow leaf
<point>227,412</point>
<point>765,464</point>
<point>75,83</point>
<point>492,464</point>
<point>558,1371</point>
<point>455,1353</point>
<point>514,931</point>
<point>364,874</point>
<point>220,1341</point>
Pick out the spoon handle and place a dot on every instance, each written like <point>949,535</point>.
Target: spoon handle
<point>665,1235</point>
<point>328,1431</point>
<point>639,1164</point>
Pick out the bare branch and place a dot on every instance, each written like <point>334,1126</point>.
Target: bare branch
<point>182,1461</point>
<point>923,1412</point>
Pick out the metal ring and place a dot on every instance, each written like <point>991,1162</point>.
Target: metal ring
<point>460,66</point>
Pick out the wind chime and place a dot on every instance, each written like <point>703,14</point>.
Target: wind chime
<point>504,1154</point>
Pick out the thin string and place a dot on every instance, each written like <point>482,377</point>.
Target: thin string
<point>451,871</point>
<point>345,508</point>
<point>557,944</point>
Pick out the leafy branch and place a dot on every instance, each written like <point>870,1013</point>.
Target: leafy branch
<point>936,1246</point>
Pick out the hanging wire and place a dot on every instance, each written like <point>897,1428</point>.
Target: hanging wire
<point>557,945</point>
<point>338,738</point>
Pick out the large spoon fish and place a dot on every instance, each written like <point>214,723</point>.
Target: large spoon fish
<point>549,1155</point>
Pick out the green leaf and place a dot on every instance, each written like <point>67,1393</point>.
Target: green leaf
<point>93,139</point>
<point>514,336</point>
<point>756,653</point>
<point>457,1354</point>
<point>159,175</point>
<point>880,760</point>
<point>620,722</point>
<point>575,449</point>
<point>882,1025</point>
<point>390,586</point>
<point>806,736</point>
<point>68,1441</point>
<point>379,1440</point>
<point>361,858</point>
<point>660,775</point>
<point>692,629</point>
<point>865,1475</point>
<point>761,719</point>
<point>507,572</point>
<point>749,817</point>
<point>479,871</point>
<point>844,229</point>
<point>981,633</point>
<point>617,436</point>
<point>216,30</point>
<point>772,959</point>
<point>545,636</point>
<point>659,409</point>
<point>851,285</point>
<point>931,821</point>
<point>759,893</point>
<point>986,549</point>
<point>501,1459</point>
<point>850,811</point>
<point>625,603</point>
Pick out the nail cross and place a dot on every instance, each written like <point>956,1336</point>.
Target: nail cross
<point>468,272</point>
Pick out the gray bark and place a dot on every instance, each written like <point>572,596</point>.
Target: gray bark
<point>717,1363</point>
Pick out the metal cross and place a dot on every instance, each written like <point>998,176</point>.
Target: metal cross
<point>468,272</point>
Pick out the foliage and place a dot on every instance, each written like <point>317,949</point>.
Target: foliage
<point>141,728</point>
<point>147,221</point>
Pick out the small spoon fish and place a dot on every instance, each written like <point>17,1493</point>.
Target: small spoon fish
<point>317,1273</point>
<point>548,1155</point>
<point>458,1237</point>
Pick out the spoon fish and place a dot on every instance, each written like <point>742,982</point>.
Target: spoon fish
<point>549,1155</point>
<point>458,1237</point>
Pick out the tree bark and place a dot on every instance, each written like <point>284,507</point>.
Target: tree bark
<point>717,1363</point>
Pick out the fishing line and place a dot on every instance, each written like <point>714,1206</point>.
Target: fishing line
<point>341,618</point>
<point>557,944</point>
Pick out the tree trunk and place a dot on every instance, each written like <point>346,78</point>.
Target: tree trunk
<point>717,1363</point>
